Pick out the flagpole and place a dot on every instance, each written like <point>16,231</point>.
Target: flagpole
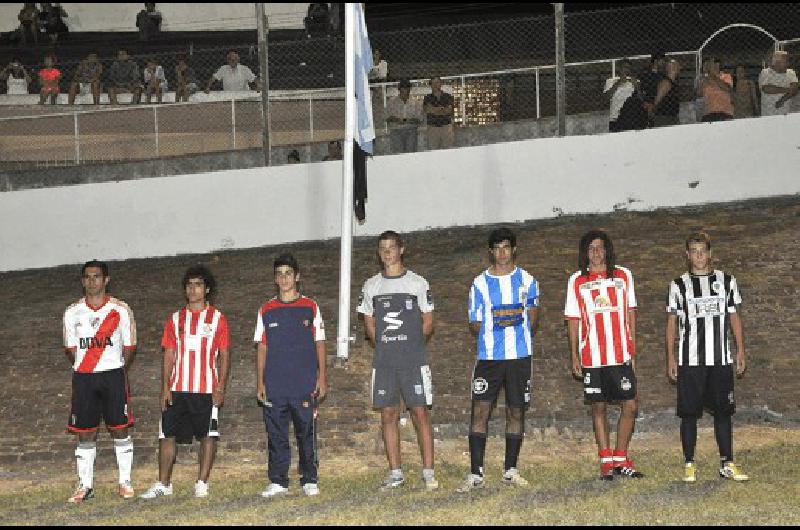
<point>346,258</point>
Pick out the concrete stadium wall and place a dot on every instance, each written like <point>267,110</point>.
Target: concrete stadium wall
<point>505,182</point>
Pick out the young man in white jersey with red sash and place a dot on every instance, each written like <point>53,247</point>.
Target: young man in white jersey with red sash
<point>100,342</point>
<point>194,372</point>
<point>601,316</point>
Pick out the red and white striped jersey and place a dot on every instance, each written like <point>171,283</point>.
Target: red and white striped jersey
<point>602,304</point>
<point>196,337</point>
<point>99,335</point>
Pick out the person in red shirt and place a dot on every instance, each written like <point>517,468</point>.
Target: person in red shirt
<point>601,317</point>
<point>49,78</point>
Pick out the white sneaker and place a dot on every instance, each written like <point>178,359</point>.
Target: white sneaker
<point>274,490</point>
<point>472,482</point>
<point>157,490</point>
<point>392,481</point>
<point>431,484</point>
<point>310,489</point>
<point>200,489</point>
<point>513,477</point>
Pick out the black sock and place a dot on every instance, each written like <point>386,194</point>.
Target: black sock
<point>513,446</point>
<point>688,437</point>
<point>723,430</point>
<point>477,448</point>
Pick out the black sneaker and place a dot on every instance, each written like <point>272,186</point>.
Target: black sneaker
<point>627,470</point>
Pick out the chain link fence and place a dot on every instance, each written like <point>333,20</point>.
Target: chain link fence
<point>501,73</point>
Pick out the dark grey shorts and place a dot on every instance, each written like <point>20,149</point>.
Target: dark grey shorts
<point>413,384</point>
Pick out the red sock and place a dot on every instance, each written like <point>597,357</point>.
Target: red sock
<point>606,461</point>
<point>621,458</point>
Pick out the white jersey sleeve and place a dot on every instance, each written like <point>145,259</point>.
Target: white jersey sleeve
<point>424,296</point>
<point>319,324</point>
<point>258,336</point>
<point>70,339</point>
<point>533,294</point>
<point>673,298</point>
<point>734,297</point>
<point>365,300</point>
<point>631,290</point>
<point>572,307</point>
<point>127,326</point>
<point>476,304</point>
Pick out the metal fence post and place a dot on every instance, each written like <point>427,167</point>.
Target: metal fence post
<point>613,68</point>
<point>538,102</point>
<point>233,123</point>
<point>463,102</point>
<point>385,125</point>
<point>560,84</point>
<point>77,142</point>
<point>263,59</point>
<point>155,130</point>
<point>310,119</point>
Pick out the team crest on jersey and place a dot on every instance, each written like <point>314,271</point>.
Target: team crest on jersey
<point>306,323</point>
<point>387,305</point>
<point>409,304</point>
<point>208,330</point>
<point>523,294</point>
<point>625,384</point>
<point>480,386</point>
<point>619,284</point>
<point>716,287</point>
<point>602,302</point>
<point>306,404</point>
<point>95,322</point>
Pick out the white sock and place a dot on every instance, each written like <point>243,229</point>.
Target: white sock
<point>427,474</point>
<point>124,449</point>
<point>85,454</point>
<point>396,473</point>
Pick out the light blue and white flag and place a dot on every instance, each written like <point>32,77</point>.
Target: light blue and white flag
<point>365,127</point>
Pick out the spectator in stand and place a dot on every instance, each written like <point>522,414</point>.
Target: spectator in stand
<point>380,68</point>
<point>293,157</point>
<point>439,111</point>
<point>667,104</point>
<point>51,20</point>
<point>148,20</point>
<point>745,95</point>
<point>123,76</point>
<point>318,20</point>
<point>155,82</point>
<point>404,117</point>
<point>28,24</point>
<point>334,151</point>
<point>87,78</point>
<point>649,84</point>
<point>778,85</point>
<point>186,80</point>
<point>617,91</point>
<point>16,78</point>
<point>49,78</point>
<point>235,77</point>
<point>716,88</point>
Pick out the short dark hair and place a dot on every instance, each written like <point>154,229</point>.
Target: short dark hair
<point>498,235</point>
<point>95,263</point>
<point>393,236</point>
<point>286,259</point>
<point>199,271</point>
<point>657,56</point>
<point>699,237</point>
<point>583,251</point>
<point>294,153</point>
<point>404,83</point>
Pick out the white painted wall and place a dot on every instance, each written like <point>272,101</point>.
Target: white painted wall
<point>488,184</point>
<point>176,17</point>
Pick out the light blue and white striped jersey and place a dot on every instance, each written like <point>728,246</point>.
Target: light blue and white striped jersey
<point>501,303</point>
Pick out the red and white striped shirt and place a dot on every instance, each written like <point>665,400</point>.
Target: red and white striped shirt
<point>196,337</point>
<point>602,304</point>
<point>99,335</point>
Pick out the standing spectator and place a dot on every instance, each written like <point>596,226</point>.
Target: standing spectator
<point>334,151</point>
<point>155,82</point>
<point>617,92</point>
<point>123,76</point>
<point>16,77</point>
<point>51,20</point>
<point>28,23</point>
<point>649,84</point>
<point>318,19</point>
<point>380,68</point>
<point>438,106</point>
<point>186,80</point>
<point>148,20</point>
<point>293,157</point>
<point>235,77</point>
<point>745,95</point>
<point>87,78</point>
<point>404,116</point>
<point>667,104</point>
<point>49,78</point>
<point>716,89</point>
<point>778,85</point>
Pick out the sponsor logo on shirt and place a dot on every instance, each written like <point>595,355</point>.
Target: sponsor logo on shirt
<point>508,315</point>
<point>393,321</point>
<point>95,342</point>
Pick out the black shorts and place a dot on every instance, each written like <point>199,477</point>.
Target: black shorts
<point>609,383</point>
<point>190,415</point>
<point>705,388</point>
<point>100,395</point>
<point>513,374</point>
<point>413,384</point>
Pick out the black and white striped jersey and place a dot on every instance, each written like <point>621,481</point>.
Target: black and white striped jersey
<point>703,304</point>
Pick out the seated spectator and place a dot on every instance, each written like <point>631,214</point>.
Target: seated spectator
<point>403,118</point>
<point>123,76</point>
<point>16,78</point>
<point>778,85</point>
<point>155,82</point>
<point>716,88</point>
<point>28,24</point>
<point>380,68</point>
<point>51,21</point>
<point>293,157</point>
<point>334,151</point>
<point>49,78</point>
<point>318,20</point>
<point>185,79</point>
<point>148,20</point>
<point>648,85</point>
<point>235,77</point>
<point>439,112</point>
<point>87,78</point>
<point>745,95</point>
<point>617,92</point>
<point>667,104</point>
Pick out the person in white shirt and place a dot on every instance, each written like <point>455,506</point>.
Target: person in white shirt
<point>16,77</point>
<point>778,85</point>
<point>155,81</point>
<point>617,91</point>
<point>403,117</point>
<point>380,69</point>
<point>235,77</point>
